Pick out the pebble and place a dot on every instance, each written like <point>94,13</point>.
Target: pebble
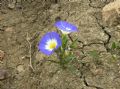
<point>20,68</point>
<point>11,5</point>
<point>9,29</point>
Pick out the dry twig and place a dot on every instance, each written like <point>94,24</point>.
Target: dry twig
<point>30,53</point>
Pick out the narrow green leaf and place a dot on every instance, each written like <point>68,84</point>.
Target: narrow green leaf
<point>74,44</point>
<point>64,41</point>
<point>113,45</point>
<point>69,58</point>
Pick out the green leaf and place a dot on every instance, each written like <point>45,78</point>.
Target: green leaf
<point>64,41</point>
<point>113,45</point>
<point>69,59</point>
<point>74,44</point>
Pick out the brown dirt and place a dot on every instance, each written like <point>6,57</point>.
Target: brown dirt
<point>21,20</point>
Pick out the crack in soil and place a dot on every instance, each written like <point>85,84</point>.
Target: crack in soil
<point>102,27</point>
<point>90,1</point>
<point>82,76</point>
<point>84,45</point>
<point>105,43</point>
<point>104,1</point>
<point>88,85</point>
<point>107,33</point>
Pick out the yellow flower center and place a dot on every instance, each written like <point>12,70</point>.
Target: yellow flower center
<point>51,44</point>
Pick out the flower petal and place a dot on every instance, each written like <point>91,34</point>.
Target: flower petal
<point>65,26</point>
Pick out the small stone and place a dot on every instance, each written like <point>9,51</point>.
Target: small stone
<point>118,26</point>
<point>20,68</point>
<point>97,72</point>
<point>11,5</point>
<point>9,29</point>
<point>2,55</point>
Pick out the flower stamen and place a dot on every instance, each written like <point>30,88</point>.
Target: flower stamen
<point>51,44</point>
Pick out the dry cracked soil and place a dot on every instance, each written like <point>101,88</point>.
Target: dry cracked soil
<point>23,23</point>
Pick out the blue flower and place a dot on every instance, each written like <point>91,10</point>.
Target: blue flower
<point>49,42</point>
<point>66,27</point>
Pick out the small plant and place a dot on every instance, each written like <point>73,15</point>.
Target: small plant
<point>115,51</point>
<point>52,42</point>
<point>96,56</point>
<point>115,48</point>
<point>115,45</point>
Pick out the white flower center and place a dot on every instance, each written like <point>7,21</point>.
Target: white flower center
<point>68,29</point>
<point>65,32</point>
<point>51,44</point>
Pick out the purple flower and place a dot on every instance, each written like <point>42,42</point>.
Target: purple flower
<point>49,42</point>
<point>66,27</point>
